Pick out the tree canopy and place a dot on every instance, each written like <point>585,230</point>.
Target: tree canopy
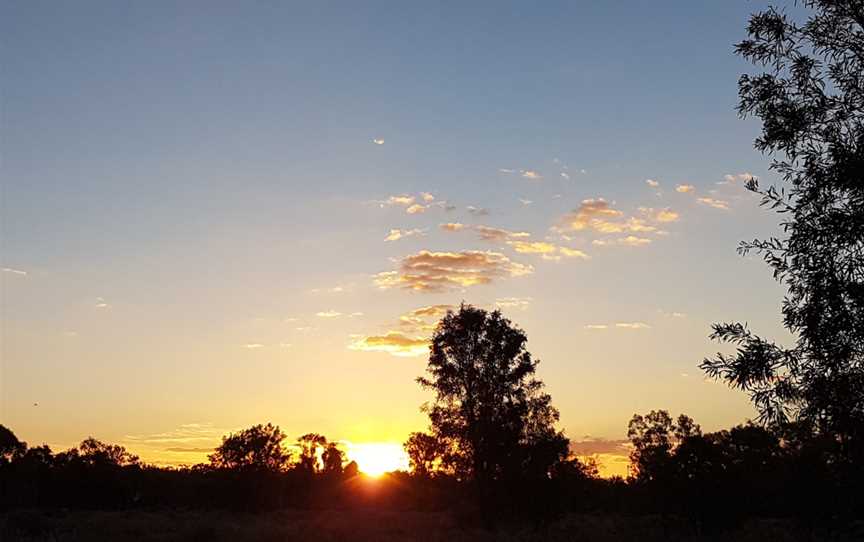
<point>258,447</point>
<point>810,99</point>
<point>490,418</point>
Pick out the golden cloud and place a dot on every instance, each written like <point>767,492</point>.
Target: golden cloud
<point>392,342</point>
<point>716,203</point>
<point>396,234</point>
<point>684,188</point>
<point>452,226</point>
<point>532,247</point>
<point>441,271</point>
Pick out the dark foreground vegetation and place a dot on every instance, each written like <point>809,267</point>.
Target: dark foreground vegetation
<point>493,465</point>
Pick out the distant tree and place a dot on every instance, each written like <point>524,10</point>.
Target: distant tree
<point>310,444</point>
<point>424,453</point>
<point>810,100</point>
<point>351,470</point>
<point>332,459</point>
<point>490,416</point>
<point>10,446</point>
<point>94,452</point>
<point>654,437</point>
<point>259,448</point>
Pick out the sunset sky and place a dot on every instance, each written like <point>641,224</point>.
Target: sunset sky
<point>216,214</point>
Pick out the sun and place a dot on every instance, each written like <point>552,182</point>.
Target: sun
<point>377,458</point>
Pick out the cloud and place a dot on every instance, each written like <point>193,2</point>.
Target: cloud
<point>392,342</point>
<point>660,215</point>
<point>532,247</point>
<point>424,319</point>
<point>397,234</point>
<point>733,178</point>
<point>332,290</point>
<point>416,209</point>
<point>530,174</point>
<point>684,188</point>
<point>403,200</point>
<point>477,211</point>
<point>652,183</point>
<point>427,197</point>
<point>632,325</point>
<point>599,216</point>
<point>679,315</point>
<point>14,271</point>
<point>596,326</point>
<point>442,271</point>
<point>513,303</point>
<point>565,176</point>
<point>378,141</point>
<point>452,226</point>
<point>253,346</point>
<point>715,203</point>
<point>630,241</point>
<point>328,314</point>
<point>525,201</point>
<point>498,235</point>
<point>101,303</point>
<point>591,446</point>
<point>189,450</point>
<point>573,253</point>
<point>506,170</point>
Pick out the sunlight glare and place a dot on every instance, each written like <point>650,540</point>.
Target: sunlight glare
<point>377,458</point>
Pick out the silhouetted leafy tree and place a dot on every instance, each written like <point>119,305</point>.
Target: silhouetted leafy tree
<point>95,452</point>
<point>424,453</point>
<point>811,104</point>
<point>332,459</point>
<point>257,448</point>
<point>10,446</point>
<point>309,444</point>
<point>654,438</point>
<point>490,416</point>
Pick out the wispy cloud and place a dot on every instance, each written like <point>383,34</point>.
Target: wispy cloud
<point>498,235</point>
<point>477,211</point>
<point>732,178</point>
<point>378,141</point>
<point>599,216</point>
<point>442,271</point>
<point>531,174</point>
<point>416,209</point>
<point>525,201</point>
<point>392,342</point>
<point>520,303</point>
<point>396,234</point>
<point>452,226</point>
<point>715,203</point>
<point>14,271</point>
<point>685,188</point>
<point>101,303</point>
<point>532,247</point>
<point>652,183</point>
<point>632,325</point>
<point>328,314</point>
<point>565,175</point>
<point>596,326</point>
<point>253,346</point>
<point>629,240</point>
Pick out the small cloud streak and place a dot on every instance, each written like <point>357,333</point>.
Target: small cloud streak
<point>393,342</point>
<point>396,234</point>
<point>531,174</point>
<point>685,188</point>
<point>14,271</point>
<point>715,203</point>
<point>452,226</point>
<point>652,183</point>
<point>328,314</point>
<point>520,303</point>
<point>632,325</point>
<point>378,141</point>
<point>477,211</point>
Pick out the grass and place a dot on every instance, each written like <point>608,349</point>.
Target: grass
<point>356,525</point>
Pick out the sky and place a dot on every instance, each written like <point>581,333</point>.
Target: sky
<point>217,214</point>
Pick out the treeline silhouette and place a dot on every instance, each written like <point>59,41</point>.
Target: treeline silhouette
<point>716,480</point>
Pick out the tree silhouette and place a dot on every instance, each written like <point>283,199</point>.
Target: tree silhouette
<point>10,446</point>
<point>332,459</point>
<point>811,104</point>
<point>94,452</point>
<point>257,448</point>
<point>309,444</point>
<point>424,453</point>
<point>654,438</point>
<point>490,417</point>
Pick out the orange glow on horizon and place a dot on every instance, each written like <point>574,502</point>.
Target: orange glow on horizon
<point>377,458</point>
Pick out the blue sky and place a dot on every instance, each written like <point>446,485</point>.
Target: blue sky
<point>184,180</point>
